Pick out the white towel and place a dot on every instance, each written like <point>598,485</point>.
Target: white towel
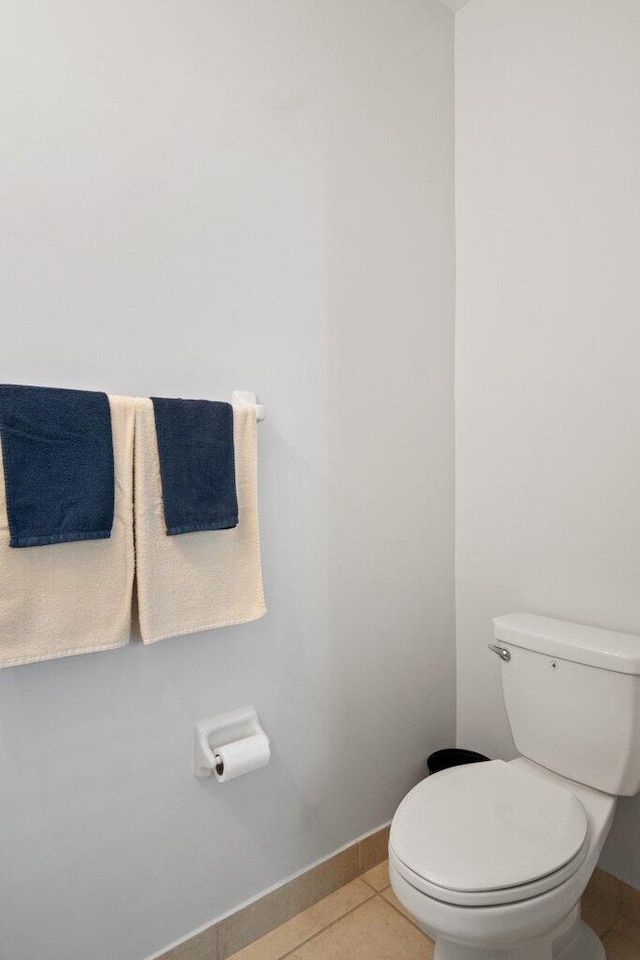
<point>195,581</point>
<point>69,598</point>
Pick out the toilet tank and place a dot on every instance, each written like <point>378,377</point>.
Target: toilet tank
<point>572,694</point>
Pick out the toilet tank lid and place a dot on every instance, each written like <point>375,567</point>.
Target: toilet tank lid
<point>606,649</point>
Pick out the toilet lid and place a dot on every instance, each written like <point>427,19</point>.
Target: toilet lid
<point>487,826</point>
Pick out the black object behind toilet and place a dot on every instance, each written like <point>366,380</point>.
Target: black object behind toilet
<point>452,757</point>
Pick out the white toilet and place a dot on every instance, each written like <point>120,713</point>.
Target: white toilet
<point>492,858</point>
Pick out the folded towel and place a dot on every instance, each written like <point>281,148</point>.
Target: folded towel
<point>195,447</point>
<point>72,597</point>
<point>58,464</point>
<point>200,580</point>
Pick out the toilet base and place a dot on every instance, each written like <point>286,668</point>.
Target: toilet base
<point>579,942</point>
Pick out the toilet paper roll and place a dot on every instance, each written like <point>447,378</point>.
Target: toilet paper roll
<point>242,756</point>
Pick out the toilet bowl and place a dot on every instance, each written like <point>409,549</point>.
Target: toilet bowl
<point>491,859</point>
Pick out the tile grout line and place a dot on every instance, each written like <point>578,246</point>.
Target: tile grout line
<point>318,933</point>
<point>370,885</point>
<point>376,894</point>
<point>402,914</point>
<point>380,894</point>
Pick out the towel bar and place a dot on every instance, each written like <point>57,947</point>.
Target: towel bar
<point>246,398</point>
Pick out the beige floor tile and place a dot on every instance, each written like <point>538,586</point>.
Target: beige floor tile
<point>631,932</point>
<point>375,931</point>
<point>378,877</point>
<point>630,903</point>
<point>618,947</point>
<point>292,934</point>
<point>374,849</point>
<point>599,913</point>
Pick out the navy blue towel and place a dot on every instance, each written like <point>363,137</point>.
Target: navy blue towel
<point>57,450</point>
<point>197,466</point>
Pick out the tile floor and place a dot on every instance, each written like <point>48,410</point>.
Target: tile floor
<point>364,921</point>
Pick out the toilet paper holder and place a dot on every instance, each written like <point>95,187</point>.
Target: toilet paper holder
<point>218,731</point>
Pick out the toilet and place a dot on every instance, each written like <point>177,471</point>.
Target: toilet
<point>491,859</point>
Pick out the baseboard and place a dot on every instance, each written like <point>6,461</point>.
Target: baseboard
<point>230,933</point>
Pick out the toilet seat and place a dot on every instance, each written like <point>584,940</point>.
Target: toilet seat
<point>488,833</point>
<point>490,898</point>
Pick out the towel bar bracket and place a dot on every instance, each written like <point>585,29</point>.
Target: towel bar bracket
<point>246,398</point>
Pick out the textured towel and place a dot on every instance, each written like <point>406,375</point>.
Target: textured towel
<point>200,580</point>
<point>72,597</point>
<point>195,447</point>
<point>58,464</point>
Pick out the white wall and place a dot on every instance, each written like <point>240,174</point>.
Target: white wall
<point>548,337</point>
<point>197,197</point>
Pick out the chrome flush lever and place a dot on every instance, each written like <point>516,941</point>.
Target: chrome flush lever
<point>502,653</point>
